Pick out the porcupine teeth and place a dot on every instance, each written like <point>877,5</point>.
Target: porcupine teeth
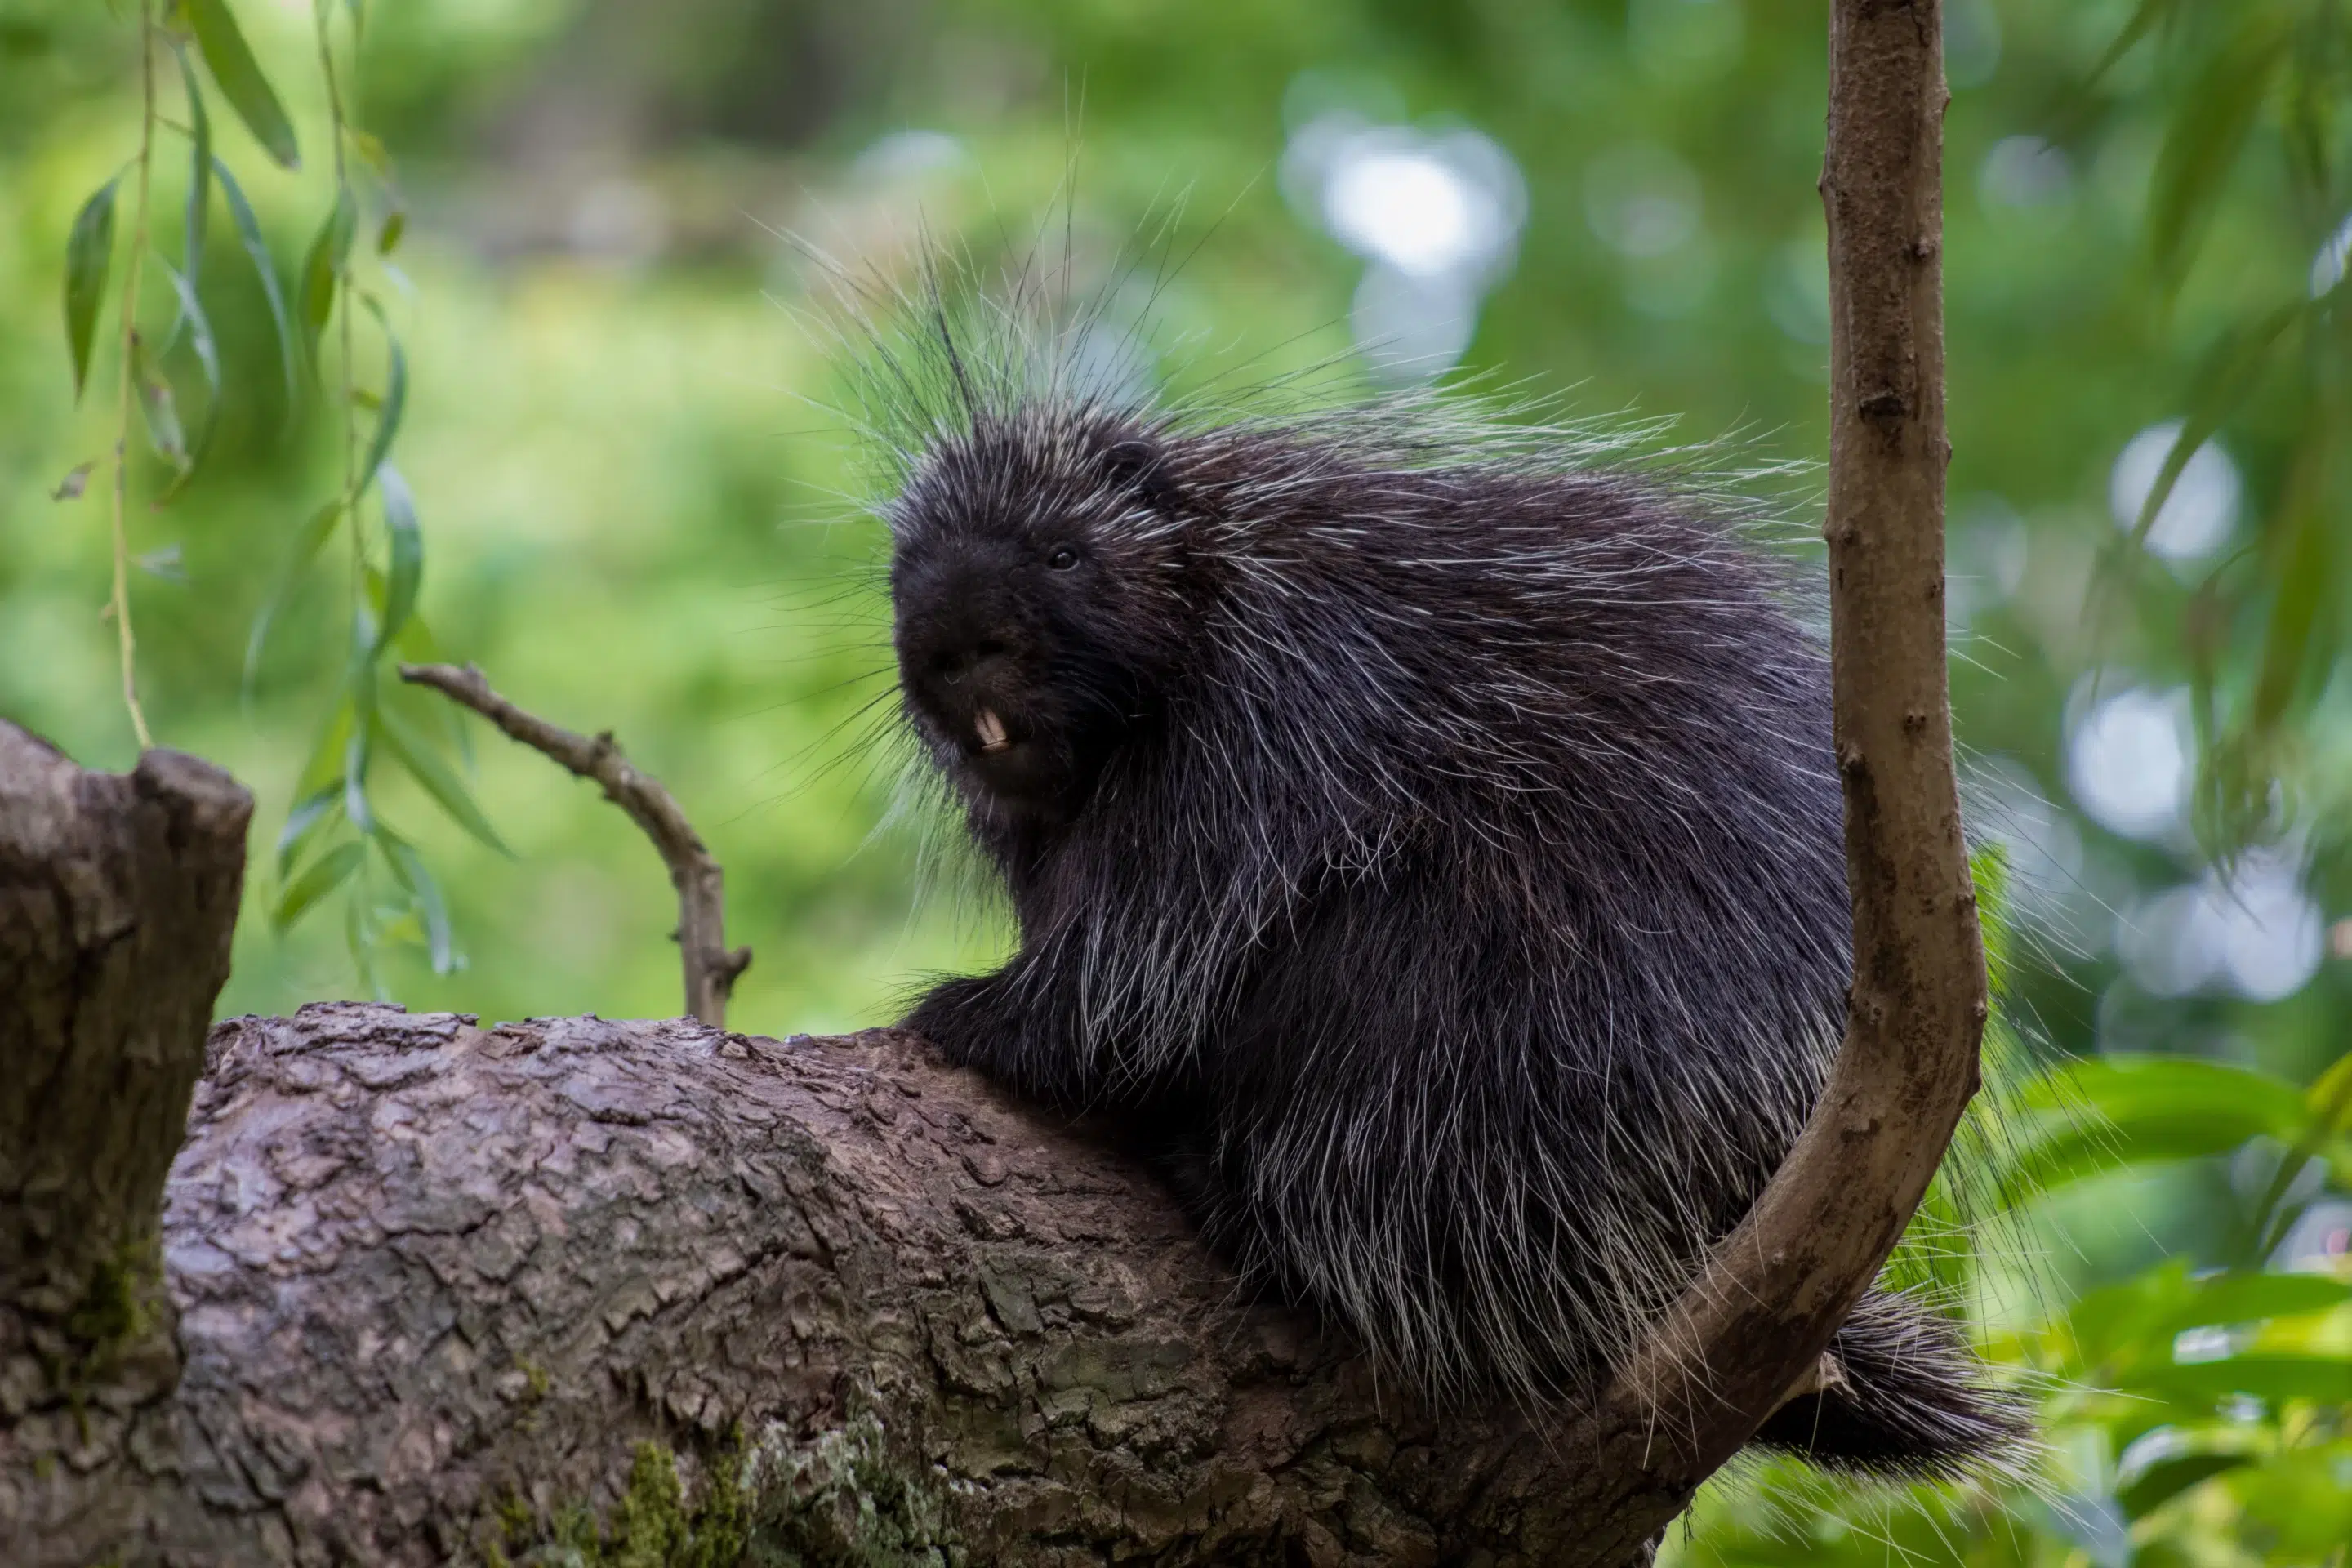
<point>992,731</point>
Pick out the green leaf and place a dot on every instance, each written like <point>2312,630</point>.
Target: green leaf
<point>406,543</point>
<point>238,74</point>
<point>2230,371</point>
<point>2330,1097</point>
<point>2274,1379</point>
<point>322,877</point>
<point>360,939</point>
<point>331,248</point>
<point>76,481</point>
<point>2143,21</point>
<point>359,753</point>
<point>200,337</point>
<point>322,772</point>
<point>2086,1120</point>
<point>89,249</point>
<point>395,403</point>
<point>2251,1298</point>
<point>2167,1478</point>
<point>409,870</point>
<point>200,168</point>
<point>416,756</point>
<point>248,233</point>
<point>200,327</point>
<point>2202,143</point>
<point>2123,1326</point>
<point>2125,1087</point>
<point>2304,584</point>
<point>395,225</point>
<point>164,561</point>
<point>310,817</point>
<point>307,538</point>
<point>163,414</point>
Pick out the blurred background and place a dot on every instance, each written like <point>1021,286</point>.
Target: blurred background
<point>637,513</point>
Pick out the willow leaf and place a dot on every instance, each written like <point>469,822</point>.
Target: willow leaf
<point>322,264</point>
<point>230,59</point>
<point>321,877</point>
<point>89,249</point>
<point>2201,144</point>
<point>200,338</point>
<point>249,234</point>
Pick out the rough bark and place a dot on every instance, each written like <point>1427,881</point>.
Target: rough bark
<point>1757,1319</point>
<point>436,1283</point>
<point>118,894</point>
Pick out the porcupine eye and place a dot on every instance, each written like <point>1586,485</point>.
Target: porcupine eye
<point>1062,560</point>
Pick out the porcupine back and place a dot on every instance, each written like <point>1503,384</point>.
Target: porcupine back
<point>1427,843</point>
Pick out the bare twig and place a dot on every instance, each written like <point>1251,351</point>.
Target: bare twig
<point>1755,1323</point>
<point>711,968</point>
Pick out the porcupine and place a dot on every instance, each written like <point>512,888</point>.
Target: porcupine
<point>1423,841</point>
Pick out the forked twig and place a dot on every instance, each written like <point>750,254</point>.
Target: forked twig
<point>711,968</point>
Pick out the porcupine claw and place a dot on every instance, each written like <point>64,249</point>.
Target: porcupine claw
<point>992,737</point>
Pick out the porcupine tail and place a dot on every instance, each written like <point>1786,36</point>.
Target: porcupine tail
<point>1914,1401</point>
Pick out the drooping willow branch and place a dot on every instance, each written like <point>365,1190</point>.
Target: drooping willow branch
<point>710,967</point>
<point>119,604</point>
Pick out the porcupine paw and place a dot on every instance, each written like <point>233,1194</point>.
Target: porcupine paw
<point>956,1018</point>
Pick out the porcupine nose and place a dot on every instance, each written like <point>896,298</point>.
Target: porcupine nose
<point>960,658</point>
<point>966,665</point>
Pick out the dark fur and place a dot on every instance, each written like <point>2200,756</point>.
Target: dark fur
<point>1436,862</point>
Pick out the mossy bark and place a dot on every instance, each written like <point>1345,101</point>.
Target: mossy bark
<point>442,1290</point>
<point>118,893</point>
<point>418,1291</point>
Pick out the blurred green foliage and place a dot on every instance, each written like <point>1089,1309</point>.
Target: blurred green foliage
<point>2197,1411</point>
<point>634,511</point>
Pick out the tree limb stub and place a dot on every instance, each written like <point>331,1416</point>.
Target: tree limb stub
<point>1768,1301</point>
<point>711,968</point>
<point>436,1282</point>
<point>118,896</point>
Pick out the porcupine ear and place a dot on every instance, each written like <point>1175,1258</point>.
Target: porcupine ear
<point>1137,463</point>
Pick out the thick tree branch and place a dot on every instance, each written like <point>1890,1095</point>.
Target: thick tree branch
<point>437,1283</point>
<point>711,969</point>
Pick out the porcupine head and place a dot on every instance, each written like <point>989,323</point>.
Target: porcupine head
<point>1422,835</point>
